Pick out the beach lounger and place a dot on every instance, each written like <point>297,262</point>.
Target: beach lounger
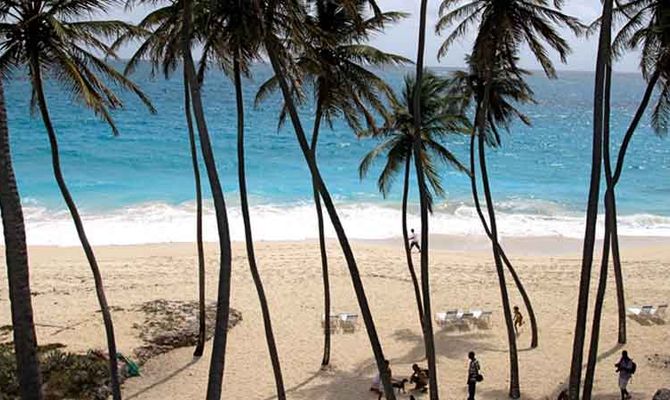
<point>658,313</point>
<point>445,319</point>
<point>640,311</point>
<point>464,321</point>
<point>641,314</point>
<point>482,319</point>
<point>348,322</point>
<point>334,322</point>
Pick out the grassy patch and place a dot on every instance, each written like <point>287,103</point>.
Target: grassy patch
<point>64,375</point>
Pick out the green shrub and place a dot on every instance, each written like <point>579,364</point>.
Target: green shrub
<point>64,375</point>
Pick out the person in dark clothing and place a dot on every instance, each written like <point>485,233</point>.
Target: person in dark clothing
<point>419,378</point>
<point>414,241</point>
<point>626,368</point>
<point>473,375</point>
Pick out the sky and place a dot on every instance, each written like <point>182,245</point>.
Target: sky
<point>401,37</point>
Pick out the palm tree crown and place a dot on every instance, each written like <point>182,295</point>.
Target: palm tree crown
<point>51,36</point>
<point>647,27</point>
<point>508,88</point>
<point>505,26</point>
<point>336,60</point>
<point>441,116</point>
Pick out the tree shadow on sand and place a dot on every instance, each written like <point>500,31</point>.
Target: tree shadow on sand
<point>600,357</point>
<point>453,345</point>
<point>163,380</point>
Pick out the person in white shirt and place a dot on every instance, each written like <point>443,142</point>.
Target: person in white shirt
<point>413,241</point>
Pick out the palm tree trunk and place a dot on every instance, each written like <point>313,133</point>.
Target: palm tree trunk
<point>271,47</point>
<point>200,346</point>
<point>602,283</point>
<point>514,390</point>
<point>18,272</point>
<point>611,215</point>
<point>428,338</point>
<point>217,363</point>
<point>612,182</point>
<point>408,250</point>
<point>72,207</point>
<point>322,245</point>
<point>251,256</point>
<point>508,263</point>
<point>592,209</point>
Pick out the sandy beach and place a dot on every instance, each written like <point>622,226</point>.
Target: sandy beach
<point>65,311</point>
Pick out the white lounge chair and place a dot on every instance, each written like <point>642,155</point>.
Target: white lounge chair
<point>658,313</point>
<point>641,314</point>
<point>640,311</point>
<point>444,319</point>
<point>464,320</point>
<point>334,322</point>
<point>482,319</point>
<point>348,322</point>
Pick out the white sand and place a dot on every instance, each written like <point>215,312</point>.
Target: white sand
<point>292,276</point>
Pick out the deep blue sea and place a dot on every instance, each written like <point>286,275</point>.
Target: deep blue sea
<point>138,187</point>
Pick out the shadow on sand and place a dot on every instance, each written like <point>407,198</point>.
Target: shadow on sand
<point>163,380</point>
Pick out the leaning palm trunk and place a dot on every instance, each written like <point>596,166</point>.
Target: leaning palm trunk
<point>514,390</point>
<point>16,256</point>
<point>508,263</point>
<point>602,283</point>
<point>428,338</point>
<point>408,251</point>
<point>200,346</point>
<point>217,363</point>
<point>88,250</point>
<point>612,180</point>
<point>322,246</point>
<point>592,209</point>
<point>271,46</point>
<point>251,256</point>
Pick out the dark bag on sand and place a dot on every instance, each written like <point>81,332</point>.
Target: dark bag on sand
<point>633,367</point>
<point>479,377</point>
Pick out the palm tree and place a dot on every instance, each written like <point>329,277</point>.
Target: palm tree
<point>16,255</point>
<point>429,340</point>
<point>645,27</point>
<point>600,121</point>
<point>337,63</point>
<point>234,36</point>
<point>280,18</point>
<point>508,87</point>
<point>160,35</point>
<point>441,116</point>
<point>503,28</point>
<point>51,37</point>
<point>656,37</point>
<point>217,363</point>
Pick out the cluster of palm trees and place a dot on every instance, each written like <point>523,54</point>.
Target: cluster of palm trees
<point>321,46</point>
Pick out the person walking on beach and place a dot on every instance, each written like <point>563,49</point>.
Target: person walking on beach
<point>473,375</point>
<point>626,368</point>
<point>518,320</point>
<point>414,241</point>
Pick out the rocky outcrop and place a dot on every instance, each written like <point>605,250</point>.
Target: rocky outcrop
<point>171,324</point>
<point>662,394</point>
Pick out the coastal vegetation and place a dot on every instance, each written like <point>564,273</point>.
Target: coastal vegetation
<point>320,56</point>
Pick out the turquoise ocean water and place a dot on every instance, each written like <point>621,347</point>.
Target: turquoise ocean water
<point>138,187</point>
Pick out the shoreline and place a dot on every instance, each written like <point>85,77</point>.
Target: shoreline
<point>463,244</point>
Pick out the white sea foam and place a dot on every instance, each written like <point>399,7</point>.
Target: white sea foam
<point>161,223</point>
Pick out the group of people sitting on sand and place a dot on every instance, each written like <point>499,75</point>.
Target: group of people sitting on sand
<point>420,379</point>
